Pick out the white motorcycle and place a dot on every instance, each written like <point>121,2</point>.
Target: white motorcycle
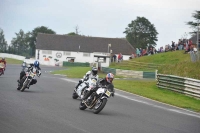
<point>97,100</point>
<point>81,90</point>
<point>28,78</point>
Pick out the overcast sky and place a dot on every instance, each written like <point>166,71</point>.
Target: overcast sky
<point>97,18</point>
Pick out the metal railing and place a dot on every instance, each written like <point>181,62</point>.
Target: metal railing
<point>187,86</point>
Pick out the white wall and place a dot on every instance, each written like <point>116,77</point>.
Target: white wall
<point>18,57</point>
<point>78,58</point>
<point>126,57</point>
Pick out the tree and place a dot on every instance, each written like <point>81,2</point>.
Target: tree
<point>141,33</point>
<point>194,24</point>
<point>77,31</point>
<point>20,44</point>
<point>33,36</point>
<point>3,43</point>
<point>71,33</point>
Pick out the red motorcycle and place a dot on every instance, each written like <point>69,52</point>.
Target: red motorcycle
<point>2,69</point>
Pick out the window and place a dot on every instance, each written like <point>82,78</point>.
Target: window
<point>86,54</point>
<point>46,52</point>
<point>67,53</point>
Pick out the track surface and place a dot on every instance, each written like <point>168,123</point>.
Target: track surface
<point>48,107</point>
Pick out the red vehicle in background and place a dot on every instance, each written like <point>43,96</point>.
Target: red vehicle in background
<point>2,66</point>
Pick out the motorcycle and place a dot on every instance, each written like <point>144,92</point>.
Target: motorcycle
<point>28,78</point>
<point>2,69</point>
<point>81,90</point>
<point>97,100</point>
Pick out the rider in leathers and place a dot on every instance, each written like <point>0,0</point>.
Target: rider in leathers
<point>89,74</point>
<point>4,62</point>
<point>107,82</point>
<point>29,68</point>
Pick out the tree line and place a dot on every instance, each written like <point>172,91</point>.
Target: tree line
<point>140,33</point>
<point>23,43</point>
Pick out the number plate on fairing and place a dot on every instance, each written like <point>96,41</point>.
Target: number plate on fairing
<point>108,93</point>
<point>32,74</point>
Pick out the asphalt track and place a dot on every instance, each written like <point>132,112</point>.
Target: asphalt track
<point>48,107</point>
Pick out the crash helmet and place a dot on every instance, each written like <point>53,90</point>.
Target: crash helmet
<point>109,77</point>
<point>94,71</point>
<point>3,58</point>
<point>36,64</point>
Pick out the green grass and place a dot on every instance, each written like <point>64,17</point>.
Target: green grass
<point>13,61</point>
<point>172,63</point>
<point>78,72</point>
<point>165,58</point>
<point>150,90</point>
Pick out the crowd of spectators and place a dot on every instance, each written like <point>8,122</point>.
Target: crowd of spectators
<point>182,44</point>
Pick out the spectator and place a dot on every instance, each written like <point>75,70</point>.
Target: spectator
<point>173,46</point>
<point>114,57</point>
<point>120,57</point>
<point>137,52</point>
<point>144,52</point>
<point>132,56</point>
<point>140,51</point>
<point>195,50</point>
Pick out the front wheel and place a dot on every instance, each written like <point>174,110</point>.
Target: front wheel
<point>1,72</point>
<point>99,105</point>
<point>24,86</point>
<point>82,106</point>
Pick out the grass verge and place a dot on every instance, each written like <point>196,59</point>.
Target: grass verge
<point>150,90</point>
<point>143,88</point>
<point>78,72</point>
<point>13,61</point>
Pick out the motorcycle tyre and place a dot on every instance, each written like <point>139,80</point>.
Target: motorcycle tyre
<point>82,106</point>
<point>1,72</point>
<point>74,95</point>
<point>24,86</point>
<point>96,111</point>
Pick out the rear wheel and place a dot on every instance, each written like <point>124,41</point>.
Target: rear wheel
<point>99,105</point>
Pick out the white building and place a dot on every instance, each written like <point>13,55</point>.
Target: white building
<point>51,47</point>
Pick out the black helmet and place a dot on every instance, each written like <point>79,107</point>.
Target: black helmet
<point>94,71</point>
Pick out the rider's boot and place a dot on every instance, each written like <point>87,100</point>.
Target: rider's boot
<point>85,98</point>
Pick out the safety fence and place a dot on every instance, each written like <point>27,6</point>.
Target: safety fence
<point>129,73</point>
<point>187,86</point>
<point>18,57</point>
<point>65,63</point>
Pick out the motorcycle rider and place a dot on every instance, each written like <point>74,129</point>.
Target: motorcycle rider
<point>89,74</point>
<point>23,65</point>
<point>107,82</point>
<point>36,64</point>
<point>4,62</point>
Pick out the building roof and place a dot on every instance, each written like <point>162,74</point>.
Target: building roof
<point>83,44</point>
